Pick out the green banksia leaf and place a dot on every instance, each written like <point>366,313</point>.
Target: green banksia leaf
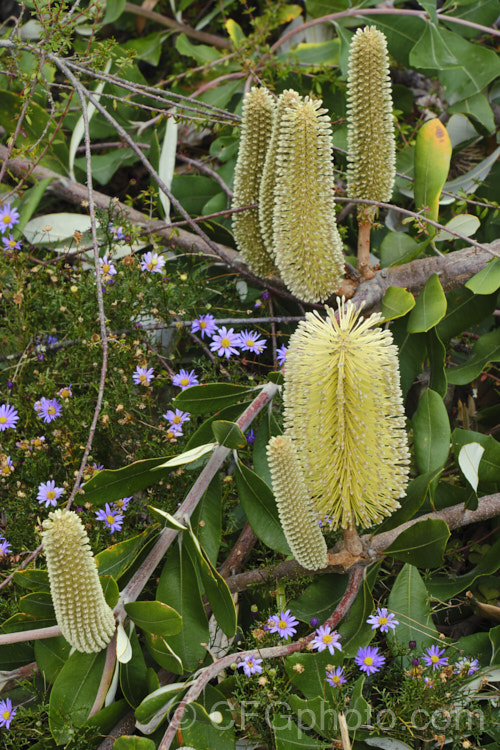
<point>432,164</point>
<point>307,245</point>
<point>344,412</point>
<point>268,183</point>
<point>86,621</point>
<point>296,511</point>
<point>370,126</point>
<point>258,118</point>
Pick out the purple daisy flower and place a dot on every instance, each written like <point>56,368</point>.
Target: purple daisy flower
<point>324,638</point>
<point>185,379</point>
<point>176,418</point>
<point>153,263</point>
<point>143,375</point>
<point>107,268</point>
<point>225,342</point>
<point>249,341</point>
<point>4,546</point>
<point>369,660</point>
<point>8,417</point>
<point>117,232</point>
<point>48,493</point>
<point>8,217</point>
<point>10,243</point>
<point>466,666</point>
<point>281,355</point>
<point>284,624</point>
<point>251,665</point>
<point>205,324</point>
<point>123,503</point>
<point>112,519</point>
<point>383,620</point>
<point>335,678</point>
<point>48,409</point>
<point>7,713</point>
<point>434,657</point>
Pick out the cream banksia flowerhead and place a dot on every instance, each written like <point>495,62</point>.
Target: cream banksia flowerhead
<point>307,244</point>
<point>370,126</point>
<point>296,511</point>
<point>86,621</point>
<point>256,127</point>
<point>344,413</point>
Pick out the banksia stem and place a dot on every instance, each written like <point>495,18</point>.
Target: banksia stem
<point>296,511</point>
<point>258,118</point>
<point>344,412</point>
<point>268,182</point>
<point>307,245</point>
<point>370,126</point>
<point>86,621</point>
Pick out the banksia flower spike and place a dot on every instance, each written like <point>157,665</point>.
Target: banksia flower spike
<point>344,412</point>
<point>307,245</point>
<point>268,182</point>
<point>86,621</point>
<point>258,118</point>
<point>370,126</point>
<point>296,511</point>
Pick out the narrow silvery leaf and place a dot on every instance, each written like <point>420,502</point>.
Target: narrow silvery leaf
<point>79,130</point>
<point>188,456</point>
<point>469,459</point>
<point>123,647</point>
<point>166,164</point>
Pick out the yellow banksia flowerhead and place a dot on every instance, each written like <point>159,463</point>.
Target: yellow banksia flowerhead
<point>297,514</point>
<point>268,182</point>
<point>86,621</point>
<point>371,146</point>
<point>307,244</point>
<point>256,127</point>
<point>344,412</point>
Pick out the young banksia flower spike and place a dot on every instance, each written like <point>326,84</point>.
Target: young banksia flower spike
<point>370,126</point>
<point>268,182</point>
<point>344,412</point>
<point>258,118</point>
<point>86,621</point>
<point>296,511</point>
<point>307,244</point>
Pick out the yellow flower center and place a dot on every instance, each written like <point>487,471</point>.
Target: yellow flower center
<point>185,381</point>
<point>176,420</point>
<point>282,624</point>
<point>65,393</point>
<point>225,342</point>
<point>383,620</point>
<point>250,663</point>
<point>3,420</point>
<point>142,377</point>
<point>106,268</point>
<point>110,519</point>
<point>12,243</point>
<point>51,495</point>
<point>5,714</point>
<point>152,263</point>
<point>51,410</point>
<point>250,342</point>
<point>434,659</point>
<point>368,661</point>
<point>6,219</point>
<point>203,324</point>
<point>335,678</point>
<point>327,638</point>
<point>119,503</point>
<point>6,469</point>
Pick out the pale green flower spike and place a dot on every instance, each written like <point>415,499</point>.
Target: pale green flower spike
<point>258,118</point>
<point>268,183</point>
<point>86,621</point>
<point>344,412</point>
<point>370,125</point>
<point>296,511</point>
<point>307,245</point>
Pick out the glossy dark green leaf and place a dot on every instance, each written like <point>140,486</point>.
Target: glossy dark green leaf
<point>199,729</point>
<point>73,693</point>
<point>431,431</point>
<point>320,598</point>
<point>178,587</point>
<point>34,580</point>
<point>110,590</point>
<point>445,587</point>
<point>207,519</point>
<point>267,428</point>
<point>39,605</point>
<point>288,735</point>
<point>396,302</point>
<point>359,709</point>
<point>487,280</point>
<point>409,601</point>
<point>108,717</point>
<point>154,617</point>
<point>431,51</point>
<point>260,509</point>
<point>495,643</point>
<point>311,680</point>
<point>200,399</point>
<point>163,653</point>
<point>134,673</point>
<point>115,560</point>
<point>204,434</point>
<point>228,434</point>
<point>51,655</point>
<point>437,359</point>
<point>418,491</point>
<point>479,65</point>
<point>422,545</point>
<point>397,248</point>
<point>130,742</point>
<point>464,310</point>
<point>154,707</point>
<point>110,485</point>
<point>430,307</point>
<point>354,630</point>
<point>485,350</point>
<point>412,349</point>
<point>315,714</point>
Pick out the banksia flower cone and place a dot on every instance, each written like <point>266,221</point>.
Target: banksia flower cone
<point>370,127</point>
<point>268,182</point>
<point>296,511</point>
<point>344,412</point>
<point>258,118</point>
<point>307,245</point>
<point>86,621</point>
